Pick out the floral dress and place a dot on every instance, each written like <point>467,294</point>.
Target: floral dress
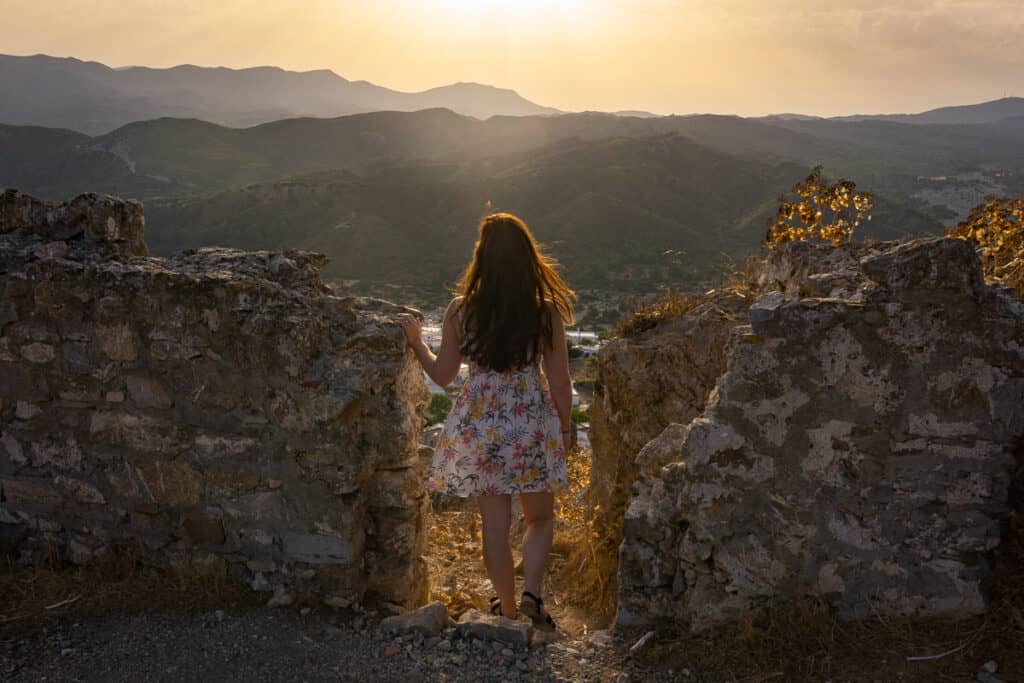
<point>502,435</point>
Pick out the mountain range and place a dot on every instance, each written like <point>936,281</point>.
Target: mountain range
<point>93,98</point>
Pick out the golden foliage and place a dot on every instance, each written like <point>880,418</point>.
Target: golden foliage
<point>586,579</point>
<point>822,211</point>
<point>997,227</point>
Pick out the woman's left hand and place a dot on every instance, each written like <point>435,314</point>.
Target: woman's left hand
<point>412,327</point>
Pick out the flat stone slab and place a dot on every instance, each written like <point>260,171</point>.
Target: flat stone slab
<point>494,628</point>
<point>428,621</point>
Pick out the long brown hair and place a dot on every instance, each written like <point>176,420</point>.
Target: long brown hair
<point>504,289</point>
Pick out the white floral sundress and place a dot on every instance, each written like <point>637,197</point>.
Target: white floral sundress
<point>502,435</point>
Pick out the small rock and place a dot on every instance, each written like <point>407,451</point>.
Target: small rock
<point>642,643</point>
<point>392,608</point>
<point>444,645</point>
<point>337,601</point>
<point>57,249</point>
<point>600,639</point>
<point>26,411</point>
<point>458,660</point>
<point>392,650</point>
<point>263,566</point>
<point>991,666</point>
<point>219,615</point>
<point>259,583</point>
<point>304,611</point>
<point>427,621</point>
<point>67,651</point>
<point>506,652</point>
<point>280,598</point>
<point>490,627</point>
<point>986,677</point>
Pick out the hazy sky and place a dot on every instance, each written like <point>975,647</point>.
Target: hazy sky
<point>728,56</point>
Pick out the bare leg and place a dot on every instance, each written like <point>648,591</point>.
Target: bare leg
<point>538,510</point>
<point>496,516</point>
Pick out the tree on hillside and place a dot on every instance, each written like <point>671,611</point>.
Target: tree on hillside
<point>997,228</point>
<point>819,211</point>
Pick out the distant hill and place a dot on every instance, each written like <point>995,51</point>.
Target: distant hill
<point>172,156</point>
<point>93,98</point>
<point>625,213</point>
<point>638,113</point>
<point>986,112</point>
<point>624,201</point>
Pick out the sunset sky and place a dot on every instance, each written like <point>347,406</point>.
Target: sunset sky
<point>669,56</point>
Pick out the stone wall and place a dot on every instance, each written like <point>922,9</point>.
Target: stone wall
<point>220,411</point>
<point>647,382</point>
<point>859,446</point>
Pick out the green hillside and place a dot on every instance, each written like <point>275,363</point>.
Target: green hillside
<point>623,213</point>
<point>626,203</point>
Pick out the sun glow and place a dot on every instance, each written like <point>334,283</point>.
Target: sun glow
<point>516,12</point>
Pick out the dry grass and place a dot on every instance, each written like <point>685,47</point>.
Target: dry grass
<point>585,578</point>
<point>457,575</point>
<point>649,315</point>
<point>737,278</point>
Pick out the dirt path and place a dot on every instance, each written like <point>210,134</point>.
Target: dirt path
<point>261,644</point>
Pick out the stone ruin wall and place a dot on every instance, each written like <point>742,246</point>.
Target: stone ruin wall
<point>637,396</point>
<point>217,411</point>
<point>858,445</point>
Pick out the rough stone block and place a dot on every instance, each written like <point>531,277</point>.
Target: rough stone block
<point>38,353</point>
<point>147,392</point>
<point>476,624</point>
<point>316,548</point>
<point>851,456</point>
<point>427,621</point>
<point>171,483</point>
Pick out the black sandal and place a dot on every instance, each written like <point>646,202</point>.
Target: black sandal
<point>496,606</point>
<point>535,611</point>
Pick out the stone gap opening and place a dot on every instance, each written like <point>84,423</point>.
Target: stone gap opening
<point>455,564</point>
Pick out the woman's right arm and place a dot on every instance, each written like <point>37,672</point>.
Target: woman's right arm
<point>556,367</point>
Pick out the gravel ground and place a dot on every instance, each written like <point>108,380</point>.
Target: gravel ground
<point>260,644</point>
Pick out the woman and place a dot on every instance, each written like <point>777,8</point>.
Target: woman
<point>510,428</point>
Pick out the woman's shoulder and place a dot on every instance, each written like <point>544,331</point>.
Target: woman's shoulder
<point>454,309</point>
<point>553,309</point>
